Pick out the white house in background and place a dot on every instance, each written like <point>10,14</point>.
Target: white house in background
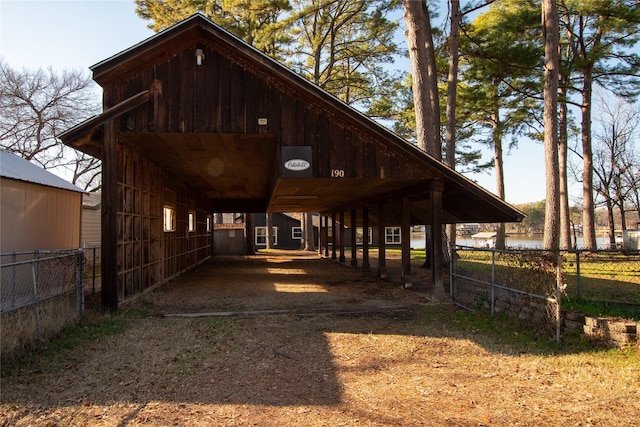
<point>38,210</point>
<point>91,226</point>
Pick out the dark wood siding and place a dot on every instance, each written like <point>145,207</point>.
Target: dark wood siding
<point>285,224</point>
<point>146,254</point>
<point>223,97</point>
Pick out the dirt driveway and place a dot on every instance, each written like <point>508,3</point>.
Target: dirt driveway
<point>278,280</point>
<point>311,368</point>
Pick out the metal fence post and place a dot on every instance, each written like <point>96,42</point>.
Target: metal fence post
<point>493,280</point>
<point>578,274</point>
<point>36,309</point>
<point>93,272</point>
<point>13,281</point>
<point>80,282</point>
<point>452,273</point>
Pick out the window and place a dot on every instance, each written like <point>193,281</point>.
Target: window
<point>192,221</point>
<point>169,219</point>
<point>392,235</point>
<point>359,235</point>
<point>296,233</point>
<point>261,236</point>
<point>208,223</point>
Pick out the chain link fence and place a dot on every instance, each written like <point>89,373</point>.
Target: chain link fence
<point>526,285</point>
<point>585,268</point>
<point>93,268</point>
<point>40,293</point>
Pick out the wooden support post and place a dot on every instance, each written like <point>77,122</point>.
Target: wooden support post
<point>406,243</point>
<point>109,216</point>
<point>437,281</point>
<point>334,238</point>
<point>382,262</point>
<point>269,223</point>
<point>366,267</point>
<point>342,258</point>
<point>320,237</point>
<point>354,246</point>
<point>250,233</point>
<point>326,236</point>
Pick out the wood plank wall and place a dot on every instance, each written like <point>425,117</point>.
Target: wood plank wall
<point>221,96</point>
<point>146,254</point>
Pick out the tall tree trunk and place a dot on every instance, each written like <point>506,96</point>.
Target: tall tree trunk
<point>425,87</point>
<point>424,75</point>
<point>499,168</point>
<point>452,91</point>
<point>551,36</point>
<point>452,84</point>
<point>623,216</point>
<point>612,226</point>
<point>563,145</point>
<point>435,142</point>
<point>588,206</point>
<point>620,199</point>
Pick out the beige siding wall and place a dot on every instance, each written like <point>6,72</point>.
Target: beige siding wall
<point>91,227</point>
<point>37,217</point>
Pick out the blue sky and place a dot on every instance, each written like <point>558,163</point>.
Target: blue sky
<point>79,34</point>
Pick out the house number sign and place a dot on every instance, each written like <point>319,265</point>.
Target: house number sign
<point>337,173</point>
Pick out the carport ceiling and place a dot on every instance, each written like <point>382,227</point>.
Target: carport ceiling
<point>241,173</point>
<point>238,170</point>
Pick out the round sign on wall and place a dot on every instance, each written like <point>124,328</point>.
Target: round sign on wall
<point>297,165</point>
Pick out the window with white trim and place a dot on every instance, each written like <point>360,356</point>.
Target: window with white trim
<point>261,236</point>
<point>392,235</point>
<point>169,214</point>
<point>296,233</point>
<point>360,234</point>
<point>192,221</point>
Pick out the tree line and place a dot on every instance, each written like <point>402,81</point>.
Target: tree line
<point>483,73</point>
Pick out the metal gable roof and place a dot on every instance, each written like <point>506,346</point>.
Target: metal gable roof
<point>15,167</point>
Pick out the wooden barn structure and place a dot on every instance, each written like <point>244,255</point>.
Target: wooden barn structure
<point>196,121</point>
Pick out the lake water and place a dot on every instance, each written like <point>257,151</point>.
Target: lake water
<point>520,241</point>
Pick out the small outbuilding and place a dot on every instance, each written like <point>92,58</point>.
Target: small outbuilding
<point>484,239</point>
<point>39,210</point>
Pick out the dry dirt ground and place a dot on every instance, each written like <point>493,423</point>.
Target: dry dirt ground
<point>366,363</point>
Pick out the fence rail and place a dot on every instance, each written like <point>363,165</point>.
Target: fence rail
<point>40,292</point>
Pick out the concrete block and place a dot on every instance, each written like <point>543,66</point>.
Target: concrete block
<point>573,324</point>
<point>574,316</point>
<point>595,322</point>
